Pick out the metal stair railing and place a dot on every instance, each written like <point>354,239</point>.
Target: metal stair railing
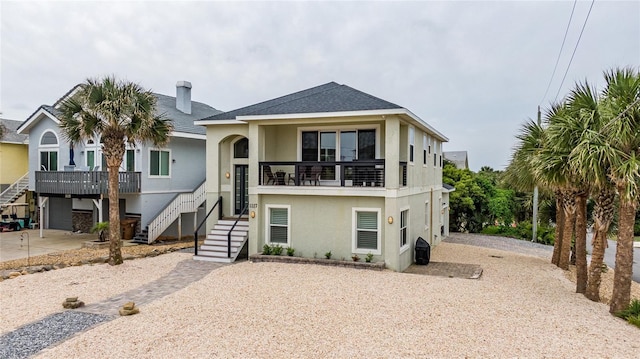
<point>195,234</point>
<point>182,203</point>
<point>232,228</point>
<point>9,195</point>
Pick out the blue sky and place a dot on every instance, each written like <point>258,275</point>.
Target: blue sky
<point>473,70</point>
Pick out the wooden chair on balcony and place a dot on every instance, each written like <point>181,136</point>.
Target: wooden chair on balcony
<point>270,177</point>
<point>313,175</point>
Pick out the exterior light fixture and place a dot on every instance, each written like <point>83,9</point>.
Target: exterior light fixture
<point>227,175</point>
<point>390,220</point>
<point>253,214</point>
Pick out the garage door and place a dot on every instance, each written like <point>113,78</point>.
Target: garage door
<point>60,213</point>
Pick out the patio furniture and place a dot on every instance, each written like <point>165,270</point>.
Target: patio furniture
<point>270,177</point>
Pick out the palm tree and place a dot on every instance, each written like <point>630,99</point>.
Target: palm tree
<point>118,112</point>
<point>621,110</point>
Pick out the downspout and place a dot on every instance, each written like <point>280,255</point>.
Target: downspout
<point>431,218</point>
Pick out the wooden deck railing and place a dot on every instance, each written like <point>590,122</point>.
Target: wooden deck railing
<point>84,182</point>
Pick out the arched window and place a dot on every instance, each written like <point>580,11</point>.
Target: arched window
<point>241,148</point>
<point>48,152</point>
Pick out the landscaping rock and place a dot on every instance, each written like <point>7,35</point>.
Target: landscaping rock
<point>72,303</point>
<point>129,308</point>
<point>14,275</point>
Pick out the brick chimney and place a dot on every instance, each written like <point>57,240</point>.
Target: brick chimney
<point>183,96</point>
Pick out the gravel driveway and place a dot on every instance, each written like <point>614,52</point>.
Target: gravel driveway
<point>522,306</point>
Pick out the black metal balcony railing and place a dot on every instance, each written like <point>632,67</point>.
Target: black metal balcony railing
<point>344,174</point>
<point>84,182</point>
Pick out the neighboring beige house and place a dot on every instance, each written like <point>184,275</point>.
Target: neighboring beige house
<point>14,165</point>
<point>329,168</point>
<point>458,158</point>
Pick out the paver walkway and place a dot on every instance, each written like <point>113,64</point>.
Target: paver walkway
<point>56,328</point>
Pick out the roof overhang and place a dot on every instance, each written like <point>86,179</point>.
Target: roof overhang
<point>24,128</point>
<point>195,136</point>
<point>218,122</point>
<point>289,116</point>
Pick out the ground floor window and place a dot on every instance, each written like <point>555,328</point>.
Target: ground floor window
<point>404,221</point>
<point>366,231</point>
<point>278,225</point>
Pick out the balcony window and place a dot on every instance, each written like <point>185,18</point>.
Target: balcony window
<point>159,163</point>
<point>130,160</point>
<point>412,142</point>
<point>49,160</point>
<point>241,148</point>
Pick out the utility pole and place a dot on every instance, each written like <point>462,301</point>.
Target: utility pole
<point>535,202</point>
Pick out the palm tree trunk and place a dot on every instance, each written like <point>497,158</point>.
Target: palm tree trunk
<point>624,255</point>
<point>115,253</point>
<point>569,207</point>
<point>557,242</point>
<point>603,216</point>
<point>581,243</point>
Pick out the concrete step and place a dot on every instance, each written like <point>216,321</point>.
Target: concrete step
<point>235,232</point>
<point>223,242</point>
<point>217,249</point>
<point>205,257</point>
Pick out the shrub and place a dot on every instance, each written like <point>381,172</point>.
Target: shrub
<point>290,251</point>
<point>355,257</point>
<point>368,258</point>
<point>276,250</point>
<point>266,250</point>
<point>632,313</point>
<point>328,255</point>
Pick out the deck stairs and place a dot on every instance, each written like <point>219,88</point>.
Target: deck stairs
<point>15,191</point>
<point>214,248</point>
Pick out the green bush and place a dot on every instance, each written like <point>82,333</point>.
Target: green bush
<point>266,250</point>
<point>523,230</point>
<point>276,250</point>
<point>632,313</point>
<point>368,258</point>
<point>290,251</point>
<point>328,255</point>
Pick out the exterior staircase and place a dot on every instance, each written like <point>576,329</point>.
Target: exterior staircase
<point>15,191</point>
<point>215,247</point>
<point>181,203</point>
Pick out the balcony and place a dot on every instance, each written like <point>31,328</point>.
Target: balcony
<point>334,174</point>
<point>83,183</point>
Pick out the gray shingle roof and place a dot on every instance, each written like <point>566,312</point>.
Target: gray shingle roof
<point>330,97</point>
<point>183,122</point>
<point>166,105</point>
<point>12,135</point>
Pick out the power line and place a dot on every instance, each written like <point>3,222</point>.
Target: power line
<point>566,31</point>
<point>574,50</point>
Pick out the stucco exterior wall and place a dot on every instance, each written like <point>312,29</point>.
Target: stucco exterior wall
<point>14,162</point>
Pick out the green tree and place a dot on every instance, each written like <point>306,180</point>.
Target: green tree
<point>621,149</point>
<point>118,112</point>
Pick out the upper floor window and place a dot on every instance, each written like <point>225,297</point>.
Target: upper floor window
<point>241,148</point>
<point>159,163</point>
<point>424,150</point>
<point>412,142</point>
<point>49,138</point>
<point>129,162</point>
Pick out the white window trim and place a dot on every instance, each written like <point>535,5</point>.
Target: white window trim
<point>411,144</point>
<point>267,223</point>
<point>57,144</point>
<point>337,130</point>
<point>50,149</point>
<point>425,155</point>
<point>404,248</point>
<point>354,231</point>
<point>149,162</point>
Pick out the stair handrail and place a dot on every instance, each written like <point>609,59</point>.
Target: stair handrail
<point>174,209</point>
<point>14,186</point>
<point>195,234</point>
<point>231,230</point>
